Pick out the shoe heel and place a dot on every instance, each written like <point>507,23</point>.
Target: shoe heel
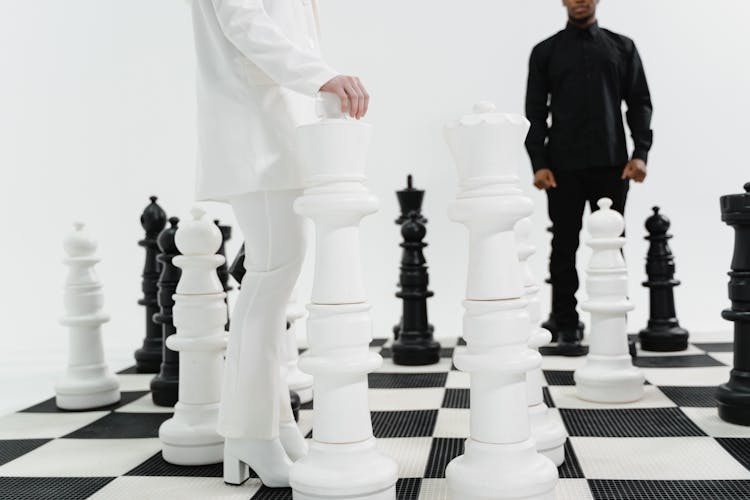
<point>236,471</point>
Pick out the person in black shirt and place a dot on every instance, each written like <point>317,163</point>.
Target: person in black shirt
<point>580,76</point>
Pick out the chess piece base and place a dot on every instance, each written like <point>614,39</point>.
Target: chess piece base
<point>101,389</point>
<point>548,433</point>
<point>572,349</point>
<point>667,338</point>
<point>609,379</point>
<point>190,437</point>
<point>164,391</point>
<point>148,360</point>
<point>501,471</point>
<point>419,353</point>
<point>361,472</point>
<point>734,399</point>
<point>72,395</point>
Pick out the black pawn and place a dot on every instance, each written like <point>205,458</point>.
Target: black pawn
<point>164,385</point>
<point>663,332</point>
<point>734,396</point>
<point>237,270</point>
<point>148,357</point>
<point>223,270</point>
<point>414,344</point>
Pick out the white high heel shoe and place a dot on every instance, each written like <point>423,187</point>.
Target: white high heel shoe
<point>292,440</point>
<point>266,457</point>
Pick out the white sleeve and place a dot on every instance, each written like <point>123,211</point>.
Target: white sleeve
<point>248,26</point>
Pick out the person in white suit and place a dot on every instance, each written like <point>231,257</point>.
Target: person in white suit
<point>259,69</point>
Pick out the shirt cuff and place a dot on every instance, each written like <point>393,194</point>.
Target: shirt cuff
<point>641,154</point>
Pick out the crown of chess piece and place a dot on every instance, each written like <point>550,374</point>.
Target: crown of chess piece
<point>500,459</point>
<point>414,344</point>
<point>734,396</point>
<point>663,332</point>
<point>344,461</point>
<point>87,383</point>
<point>148,356</point>
<point>190,437</point>
<point>608,375</point>
<point>164,387</point>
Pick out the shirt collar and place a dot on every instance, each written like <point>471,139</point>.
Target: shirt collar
<point>592,30</point>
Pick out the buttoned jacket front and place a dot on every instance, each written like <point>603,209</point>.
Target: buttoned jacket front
<point>258,70</point>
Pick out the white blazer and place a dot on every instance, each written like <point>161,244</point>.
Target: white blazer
<point>258,70</point>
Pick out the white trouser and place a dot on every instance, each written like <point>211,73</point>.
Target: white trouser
<point>254,399</point>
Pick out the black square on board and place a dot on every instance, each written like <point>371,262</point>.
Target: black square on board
<point>739,448</point>
<point>51,488</point>
<point>442,451</point>
<point>456,398</point>
<point>607,489</point>
<point>629,422</point>
<point>696,397</point>
<point>381,380</point>
<point>687,361</point>
<point>11,449</point>
<point>403,424</point>
<point>407,488</point>
<point>570,468</point>
<point>266,493</point>
<point>559,377</point>
<point>121,425</point>
<point>715,346</point>
<point>157,466</point>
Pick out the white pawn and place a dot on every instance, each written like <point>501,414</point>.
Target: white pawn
<point>608,375</point>
<point>190,436</point>
<point>298,381</point>
<point>548,432</point>
<point>88,383</point>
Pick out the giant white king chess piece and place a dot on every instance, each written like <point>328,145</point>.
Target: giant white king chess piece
<point>190,436</point>
<point>608,375</point>
<point>88,383</point>
<point>343,461</point>
<point>546,429</point>
<point>500,459</point>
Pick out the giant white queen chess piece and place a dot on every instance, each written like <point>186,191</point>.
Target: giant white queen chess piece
<point>343,461</point>
<point>500,459</point>
<point>608,375</point>
<point>88,383</point>
<point>190,437</point>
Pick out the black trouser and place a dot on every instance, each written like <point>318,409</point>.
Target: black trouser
<point>565,205</point>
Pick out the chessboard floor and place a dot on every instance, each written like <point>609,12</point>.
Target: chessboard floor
<point>669,445</point>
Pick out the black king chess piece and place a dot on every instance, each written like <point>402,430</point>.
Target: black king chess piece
<point>734,396</point>
<point>414,344</point>
<point>663,332</point>
<point>164,385</point>
<point>148,357</point>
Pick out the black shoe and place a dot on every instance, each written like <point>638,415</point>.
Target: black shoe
<point>569,344</point>
<point>551,325</point>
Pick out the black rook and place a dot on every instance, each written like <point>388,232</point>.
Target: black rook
<point>148,357</point>
<point>663,332</point>
<point>734,396</point>
<point>164,385</point>
<point>414,344</point>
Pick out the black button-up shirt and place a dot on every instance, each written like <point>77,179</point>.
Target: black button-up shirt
<point>581,76</point>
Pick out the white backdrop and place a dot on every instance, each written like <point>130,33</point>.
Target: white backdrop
<point>97,113</point>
